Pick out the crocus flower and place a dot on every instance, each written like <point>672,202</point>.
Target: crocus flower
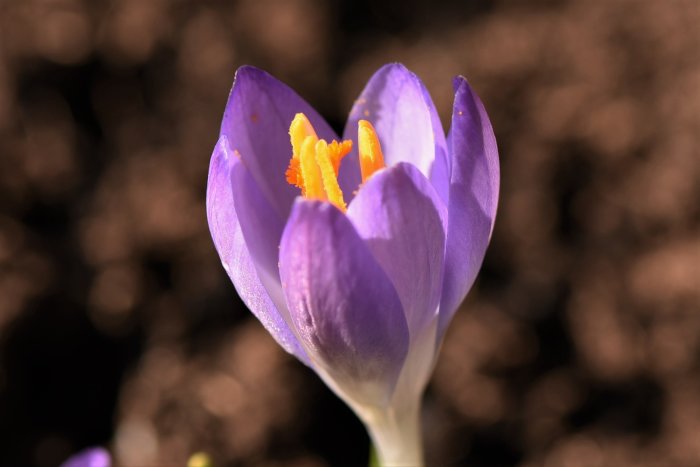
<point>91,457</point>
<point>355,253</point>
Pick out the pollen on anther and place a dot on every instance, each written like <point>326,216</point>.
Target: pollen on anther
<point>315,164</point>
<point>369,150</point>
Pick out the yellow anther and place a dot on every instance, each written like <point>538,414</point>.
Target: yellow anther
<point>370,151</point>
<point>315,163</point>
<point>329,175</point>
<point>310,173</point>
<point>298,131</point>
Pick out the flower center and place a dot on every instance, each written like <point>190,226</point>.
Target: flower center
<point>314,164</point>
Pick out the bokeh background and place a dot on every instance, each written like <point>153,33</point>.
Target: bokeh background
<point>578,346</point>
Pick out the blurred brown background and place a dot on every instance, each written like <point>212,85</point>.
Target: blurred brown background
<point>579,345</point>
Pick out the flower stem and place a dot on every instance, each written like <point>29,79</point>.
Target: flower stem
<point>396,435</point>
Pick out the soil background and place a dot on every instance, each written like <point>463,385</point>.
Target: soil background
<point>578,346</point>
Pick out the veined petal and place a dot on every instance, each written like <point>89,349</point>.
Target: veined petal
<point>236,258</point>
<point>256,122</point>
<point>399,106</point>
<point>473,199</point>
<point>403,221</point>
<point>345,309</point>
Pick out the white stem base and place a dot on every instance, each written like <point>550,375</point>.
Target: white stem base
<point>396,435</point>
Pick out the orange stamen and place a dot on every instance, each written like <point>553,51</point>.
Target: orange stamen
<point>315,163</point>
<point>328,175</point>
<point>370,151</point>
<point>299,129</point>
<point>310,172</point>
<point>337,151</point>
<point>293,173</point>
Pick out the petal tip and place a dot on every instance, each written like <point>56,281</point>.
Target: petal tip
<point>246,72</point>
<point>394,66</point>
<point>400,70</point>
<point>245,76</point>
<point>458,81</point>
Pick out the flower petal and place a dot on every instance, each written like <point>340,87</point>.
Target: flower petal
<point>236,258</point>
<point>256,121</point>
<point>409,129</point>
<point>474,186</point>
<point>403,221</point>
<point>347,314</point>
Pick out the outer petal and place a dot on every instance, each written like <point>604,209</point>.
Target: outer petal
<point>403,221</point>
<point>256,121</point>
<point>347,314</point>
<point>401,110</point>
<point>233,251</point>
<point>91,457</point>
<point>474,186</point>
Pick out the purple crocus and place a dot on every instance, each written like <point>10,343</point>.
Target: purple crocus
<point>360,275</point>
<point>90,457</point>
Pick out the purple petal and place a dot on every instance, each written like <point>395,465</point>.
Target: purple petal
<point>256,121</point>
<point>403,221</point>
<point>234,253</point>
<point>399,106</point>
<point>346,311</point>
<point>474,185</point>
<point>261,227</point>
<point>91,457</point>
